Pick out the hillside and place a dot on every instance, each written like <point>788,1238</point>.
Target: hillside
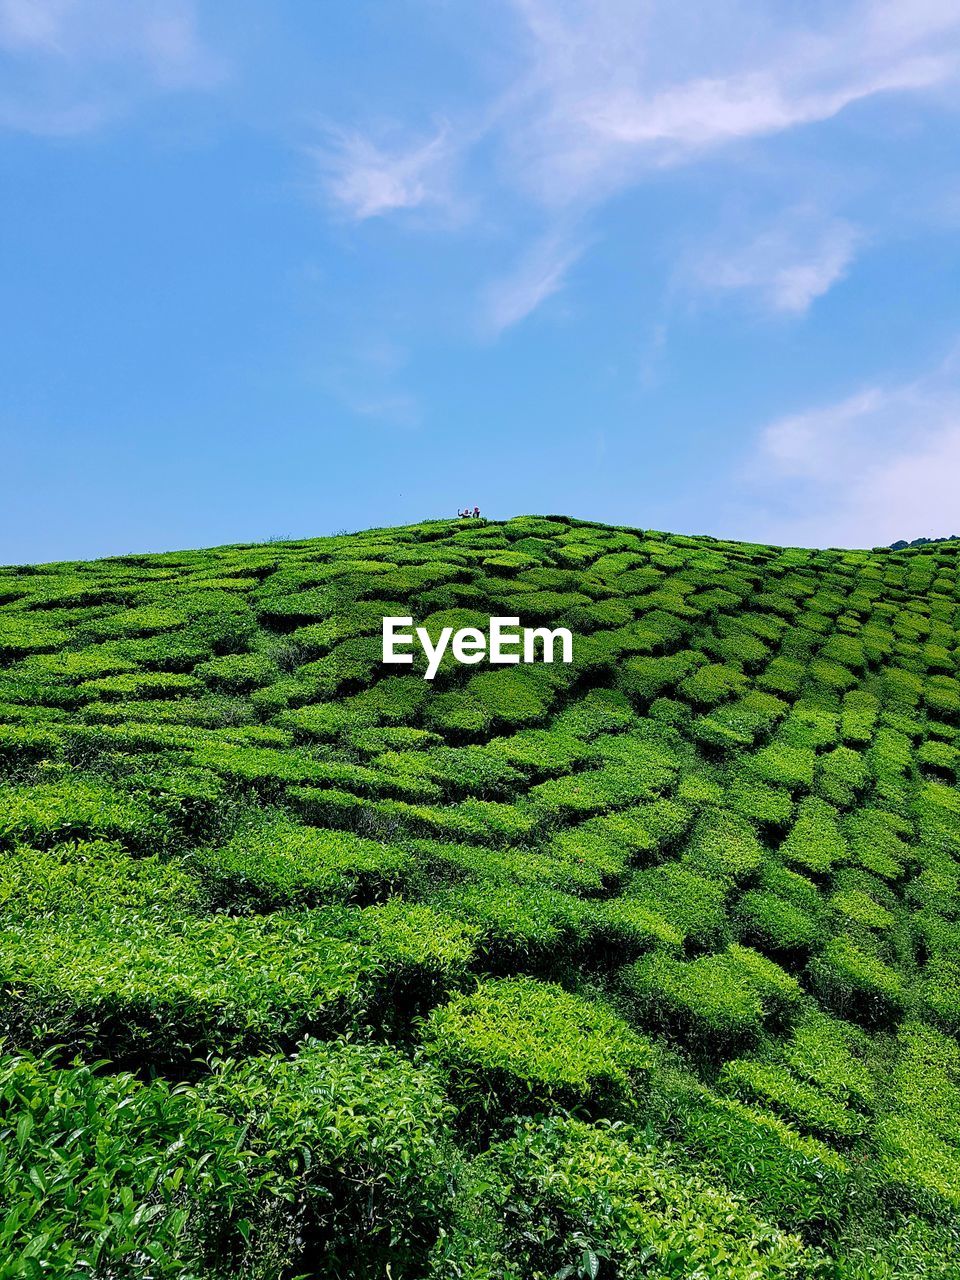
<point>643,966</point>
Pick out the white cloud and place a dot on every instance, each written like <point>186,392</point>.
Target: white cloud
<point>878,465</point>
<point>537,276</point>
<point>74,64</point>
<point>785,267</point>
<point>365,378</point>
<point>617,87</point>
<point>597,97</point>
<point>365,180</point>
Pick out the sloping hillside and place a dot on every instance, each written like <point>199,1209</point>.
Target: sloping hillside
<point>643,966</point>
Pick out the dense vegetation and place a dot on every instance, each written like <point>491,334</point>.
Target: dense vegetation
<point>647,966</point>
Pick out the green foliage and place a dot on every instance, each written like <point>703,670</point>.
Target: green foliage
<point>777,1087</point>
<point>281,864</point>
<point>794,1179</point>
<point>855,983</point>
<point>717,1002</point>
<point>364,1132</point>
<point>531,1046</point>
<point>733,820</point>
<point>104,1175</point>
<point>602,1202</point>
<point>78,808</point>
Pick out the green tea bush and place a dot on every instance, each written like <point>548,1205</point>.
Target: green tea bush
<point>541,752</point>
<point>133,685</point>
<point>718,1002</point>
<point>238,673</point>
<point>517,1045</point>
<point>603,1203</point>
<point>774,924</point>
<point>90,879</point>
<point>855,983</point>
<point>919,1143</point>
<point>280,864</point>
<point>757,800</point>
<point>713,683</point>
<point>858,717</point>
<point>510,699</point>
<point>815,842</point>
<point>794,1179</point>
<point>367,1135</point>
<point>644,678</point>
<point>690,901</point>
<point>724,844</point>
<point>518,923</point>
<point>78,807</point>
<point>599,711</point>
<point>785,765</point>
<point>734,817</point>
<point>163,991</point>
<point>104,1175</point>
<point>777,1088</point>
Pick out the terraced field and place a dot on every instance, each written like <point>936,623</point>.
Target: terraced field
<point>644,966</point>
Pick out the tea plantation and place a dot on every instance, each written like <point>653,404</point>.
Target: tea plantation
<point>646,966</point>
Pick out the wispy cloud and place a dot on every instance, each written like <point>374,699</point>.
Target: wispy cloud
<point>364,377</point>
<point>366,180</point>
<point>877,465</point>
<point>784,267</point>
<point>597,98</point>
<point>618,88</point>
<point>539,274</point>
<point>74,64</point>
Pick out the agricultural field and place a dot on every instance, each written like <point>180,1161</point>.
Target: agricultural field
<point>645,966</point>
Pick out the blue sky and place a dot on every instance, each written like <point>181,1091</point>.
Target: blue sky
<point>280,269</point>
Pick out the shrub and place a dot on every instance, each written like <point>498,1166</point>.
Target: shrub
<point>106,1175</point>
<point>541,752</point>
<point>717,1002</point>
<point>859,716</point>
<point>630,924</point>
<point>856,983</point>
<point>78,808</point>
<point>759,801</point>
<point>612,786</point>
<point>361,1132</point>
<point>775,924</point>
<point>831,1054</point>
<point>510,699</point>
<point>713,683</point>
<point>517,923</point>
<point>874,837</point>
<point>776,1087</point>
<point>602,1202</point>
<point>918,1143</point>
<point>939,993</point>
<point>724,844</point>
<point>645,678</point>
<point>91,879</point>
<point>139,684</point>
<point>815,841</point>
<point>166,991</point>
<point>789,766</point>
<point>783,675</point>
<point>238,673</point>
<point>517,1045</point>
<point>796,1180</point>
<point>599,711</point>
<point>691,902</point>
<point>858,906</point>
<point>281,864</point>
